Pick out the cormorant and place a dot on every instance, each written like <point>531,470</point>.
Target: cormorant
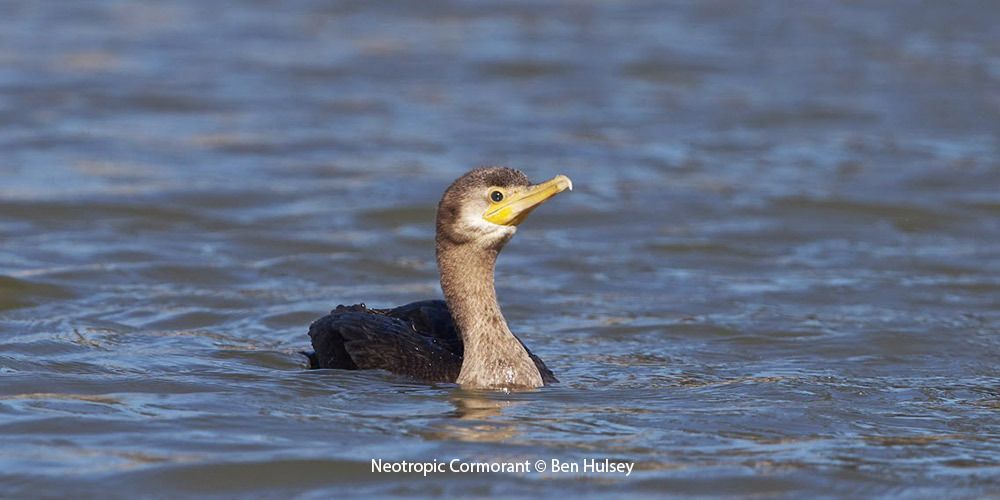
<point>464,338</point>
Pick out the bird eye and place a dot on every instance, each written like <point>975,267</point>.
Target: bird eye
<point>496,196</point>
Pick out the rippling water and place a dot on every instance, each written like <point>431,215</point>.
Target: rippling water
<point>778,275</point>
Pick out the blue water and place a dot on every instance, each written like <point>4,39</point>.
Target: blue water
<point>777,276</point>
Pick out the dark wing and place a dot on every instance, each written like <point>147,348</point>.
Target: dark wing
<point>433,318</point>
<point>405,340</point>
<point>418,340</point>
<point>547,376</point>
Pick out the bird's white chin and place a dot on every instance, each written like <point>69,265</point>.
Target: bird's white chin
<point>485,232</point>
<point>497,236</point>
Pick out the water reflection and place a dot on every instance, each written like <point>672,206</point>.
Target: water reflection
<point>479,418</point>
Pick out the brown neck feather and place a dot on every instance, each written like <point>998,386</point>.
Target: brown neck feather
<point>494,357</point>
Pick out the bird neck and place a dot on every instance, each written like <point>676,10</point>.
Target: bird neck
<point>494,357</point>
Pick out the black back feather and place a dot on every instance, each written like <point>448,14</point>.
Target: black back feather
<point>418,340</point>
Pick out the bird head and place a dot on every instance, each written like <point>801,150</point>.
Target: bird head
<point>484,206</point>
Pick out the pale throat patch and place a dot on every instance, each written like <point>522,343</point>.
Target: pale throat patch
<point>474,222</point>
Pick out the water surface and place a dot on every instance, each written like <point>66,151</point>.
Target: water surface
<point>778,274</point>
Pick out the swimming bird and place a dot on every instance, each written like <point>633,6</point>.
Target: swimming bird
<point>463,338</point>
